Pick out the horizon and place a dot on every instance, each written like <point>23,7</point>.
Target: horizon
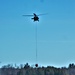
<point>39,65</point>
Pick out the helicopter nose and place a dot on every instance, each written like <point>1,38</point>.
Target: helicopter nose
<point>32,18</point>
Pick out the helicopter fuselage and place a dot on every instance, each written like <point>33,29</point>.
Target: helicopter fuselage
<point>35,18</point>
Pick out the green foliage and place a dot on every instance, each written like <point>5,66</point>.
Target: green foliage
<point>71,65</point>
<point>28,70</point>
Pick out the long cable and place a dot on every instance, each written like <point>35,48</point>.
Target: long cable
<point>36,41</point>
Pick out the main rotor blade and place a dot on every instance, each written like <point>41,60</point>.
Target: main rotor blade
<point>27,15</point>
<point>42,14</point>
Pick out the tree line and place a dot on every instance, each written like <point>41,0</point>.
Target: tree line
<point>26,69</point>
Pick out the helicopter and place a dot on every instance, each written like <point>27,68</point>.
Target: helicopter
<point>35,17</point>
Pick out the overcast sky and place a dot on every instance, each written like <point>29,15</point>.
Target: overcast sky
<point>55,32</point>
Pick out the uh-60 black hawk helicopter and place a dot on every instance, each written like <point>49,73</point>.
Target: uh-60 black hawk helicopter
<point>35,17</point>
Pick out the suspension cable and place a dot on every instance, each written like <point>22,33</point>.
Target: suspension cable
<point>36,41</point>
<point>36,65</point>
